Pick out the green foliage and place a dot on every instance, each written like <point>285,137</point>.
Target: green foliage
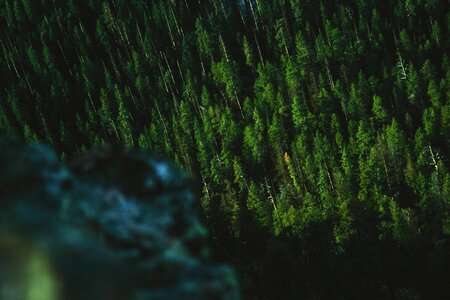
<point>378,110</point>
<point>259,206</point>
<point>323,127</point>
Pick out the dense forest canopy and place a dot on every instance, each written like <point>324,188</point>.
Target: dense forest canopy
<point>320,130</point>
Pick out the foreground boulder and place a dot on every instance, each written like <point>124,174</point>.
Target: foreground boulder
<point>112,224</point>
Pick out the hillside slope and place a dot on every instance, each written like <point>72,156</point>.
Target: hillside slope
<point>320,130</point>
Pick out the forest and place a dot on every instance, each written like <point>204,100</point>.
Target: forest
<point>319,131</point>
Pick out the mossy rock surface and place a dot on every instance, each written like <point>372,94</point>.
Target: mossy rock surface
<point>112,224</point>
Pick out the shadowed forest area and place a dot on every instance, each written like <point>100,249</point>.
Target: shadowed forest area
<point>319,131</point>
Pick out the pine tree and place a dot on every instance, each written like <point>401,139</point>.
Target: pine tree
<point>123,120</point>
<point>29,135</point>
<point>378,110</point>
<point>258,204</point>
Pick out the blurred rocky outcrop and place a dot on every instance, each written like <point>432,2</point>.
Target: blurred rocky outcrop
<point>112,224</point>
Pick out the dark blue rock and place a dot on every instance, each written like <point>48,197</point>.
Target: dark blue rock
<point>112,224</point>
